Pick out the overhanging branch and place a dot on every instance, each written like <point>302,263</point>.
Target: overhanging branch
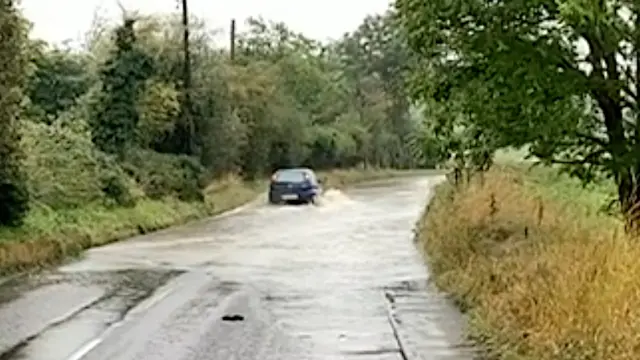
<point>594,158</point>
<point>592,138</point>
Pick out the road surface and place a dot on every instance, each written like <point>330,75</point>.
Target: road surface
<point>341,280</point>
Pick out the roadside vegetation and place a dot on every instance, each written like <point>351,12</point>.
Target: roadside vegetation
<point>536,262</point>
<point>544,260</point>
<point>124,136</point>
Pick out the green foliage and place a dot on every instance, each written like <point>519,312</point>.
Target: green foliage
<point>104,125</point>
<point>158,106</point>
<point>352,89</point>
<point>59,79</point>
<point>559,76</point>
<point>164,175</point>
<point>116,122</point>
<point>14,67</point>
<point>66,170</point>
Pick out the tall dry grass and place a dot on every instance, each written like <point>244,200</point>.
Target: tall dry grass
<point>540,280</point>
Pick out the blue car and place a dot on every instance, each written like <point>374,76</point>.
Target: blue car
<point>295,185</point>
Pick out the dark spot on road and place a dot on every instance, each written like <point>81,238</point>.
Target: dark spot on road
<point>412,285</point>
<point>14,350</point>
<point>389,297</point>
<point>284,298</point>
<point>234,317</point>
<point>228,285</point>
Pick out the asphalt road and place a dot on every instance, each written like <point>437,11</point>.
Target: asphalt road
<point>341,280</point>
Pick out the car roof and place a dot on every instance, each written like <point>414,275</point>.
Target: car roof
<point>303,169</point>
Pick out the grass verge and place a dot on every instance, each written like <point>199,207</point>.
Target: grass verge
<point>49,237</point>
<point>541,274</point>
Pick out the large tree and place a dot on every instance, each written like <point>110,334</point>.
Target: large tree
<point>122,76</point>
<point>561,76</point>
<point>14,64</point>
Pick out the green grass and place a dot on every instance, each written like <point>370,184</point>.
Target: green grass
<point>551,184</point>
<point>49,237</point>
<point>570,190</point>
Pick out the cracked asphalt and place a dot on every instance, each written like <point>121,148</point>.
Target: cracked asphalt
<point>341,280</point>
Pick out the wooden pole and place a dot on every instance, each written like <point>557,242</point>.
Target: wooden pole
<point>188,118</point>
<point>232,40</point>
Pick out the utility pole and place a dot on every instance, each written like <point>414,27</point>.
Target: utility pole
<point>186,79</point>
<point>232,40</point>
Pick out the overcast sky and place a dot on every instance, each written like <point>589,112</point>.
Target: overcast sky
<point>56,21</point>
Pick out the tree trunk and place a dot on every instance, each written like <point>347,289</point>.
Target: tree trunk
<point>624,168</point>
<point>623,162</point>
<point>629,199</point>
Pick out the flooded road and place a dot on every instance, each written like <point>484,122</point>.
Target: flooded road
<point>341,280</point>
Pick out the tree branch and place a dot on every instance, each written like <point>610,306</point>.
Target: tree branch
<point>593,158</point>
<point>600,141</point>
<point>626,88</point>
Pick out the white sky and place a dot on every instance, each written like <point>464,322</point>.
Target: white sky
<point>57,21</point>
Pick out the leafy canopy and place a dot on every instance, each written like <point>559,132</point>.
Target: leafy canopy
<point>558,75</point>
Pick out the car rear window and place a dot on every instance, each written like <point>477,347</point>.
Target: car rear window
<point>290,176</point>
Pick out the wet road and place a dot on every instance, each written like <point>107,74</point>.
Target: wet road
<point>338,281</point>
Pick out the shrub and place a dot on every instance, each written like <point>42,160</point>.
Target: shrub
<point>162,175</point>
<point>66,170</point>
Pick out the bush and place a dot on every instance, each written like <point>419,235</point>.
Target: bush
<point>65,170</point>
<point>117,189</point>
<point>542,278</point>
<point>162,175</point>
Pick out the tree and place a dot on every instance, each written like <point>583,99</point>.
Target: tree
<point>105,121</point>
<point>559,75</point>
<point>14,66</point>
<point>384,54</point>
<point>122,76</point>
<point>375,53</point>
<point>59,79</point>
